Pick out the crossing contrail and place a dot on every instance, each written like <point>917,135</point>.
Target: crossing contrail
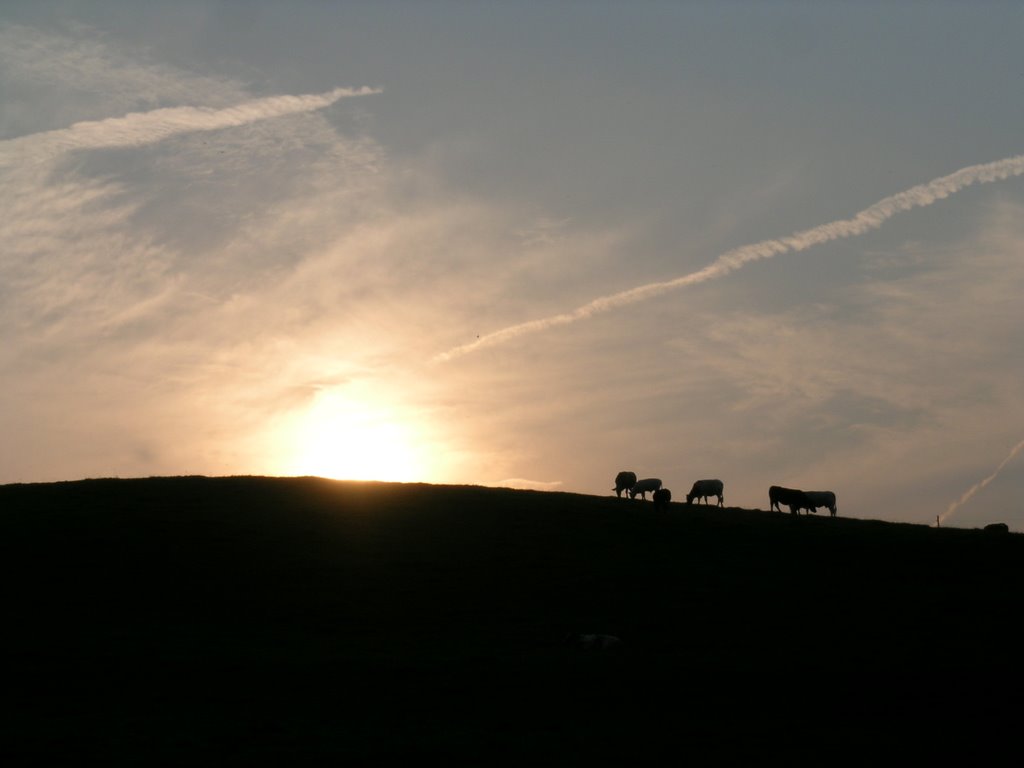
<point>141,128</point>
<point>870,218</point>
<point>954,506</point>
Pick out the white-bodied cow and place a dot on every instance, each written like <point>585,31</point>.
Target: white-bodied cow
<point>825,499</point>
<point>704,488</point>
<point>641,487</point>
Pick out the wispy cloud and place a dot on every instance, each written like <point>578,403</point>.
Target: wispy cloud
<point>866,220</point>
<point>107,256</point>
<point>77,73</point>
<point>141,128</point>
<point>966,496</point>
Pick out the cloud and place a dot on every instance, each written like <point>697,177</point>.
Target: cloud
<point>139,290</point>
<point>868,219</point>
<point>141,128</point>
<point>98,245</point>
<point>203,289</point>
<point>966,496</point>
<point>59,78</point>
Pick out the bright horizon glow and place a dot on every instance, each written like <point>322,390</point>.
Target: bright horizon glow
<point>349,439</point>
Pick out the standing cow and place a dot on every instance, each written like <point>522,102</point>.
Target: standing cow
<point>641,487</point>
<point>704,488</point>
<point>793,498</point>
<point>825,499</point>
<point>623,482</point>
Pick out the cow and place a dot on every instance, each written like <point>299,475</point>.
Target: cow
<point>793,498</point>
<point>825,499</point>
<point>704,488</point>
<point>641,487</point>
<point>623,482</point>
<point>662,497</point>
<point>996,528</point>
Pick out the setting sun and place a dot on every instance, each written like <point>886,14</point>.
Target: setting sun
<point>351,439</point>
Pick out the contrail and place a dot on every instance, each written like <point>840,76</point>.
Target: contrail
<point>869,219</point>
<point>141,128</point>
<point>953,507</point>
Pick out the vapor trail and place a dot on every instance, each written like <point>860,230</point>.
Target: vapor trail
<point>141,128</point>
<point>954,506</point>
<point>869,219</point>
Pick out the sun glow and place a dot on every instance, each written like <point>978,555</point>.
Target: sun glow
<point>352,439</point>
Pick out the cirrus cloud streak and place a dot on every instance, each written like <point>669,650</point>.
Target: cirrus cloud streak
<point>966,496</point>
<point>141,128</point>
<point>870,218</point>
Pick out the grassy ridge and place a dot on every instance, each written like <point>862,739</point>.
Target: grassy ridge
<point>241,618</point>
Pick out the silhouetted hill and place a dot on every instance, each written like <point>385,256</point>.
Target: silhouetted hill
<point>243,618</point>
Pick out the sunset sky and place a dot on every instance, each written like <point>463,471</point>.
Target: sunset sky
<point>400,241</point>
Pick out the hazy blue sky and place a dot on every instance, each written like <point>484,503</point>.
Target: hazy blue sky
<point>391,240</point>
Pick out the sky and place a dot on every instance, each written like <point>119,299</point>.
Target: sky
<point>520,244</point>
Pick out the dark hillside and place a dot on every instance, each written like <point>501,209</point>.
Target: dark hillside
<point>233,619</point>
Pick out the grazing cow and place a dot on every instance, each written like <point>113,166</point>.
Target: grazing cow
<point>793,498</point>
<point>641,487</point>
<point>997,528</point>
<point>593,642</point>
<point>623,482</point>
<point>825,499</point>
<point>662,497</point>
<point>704,488</point>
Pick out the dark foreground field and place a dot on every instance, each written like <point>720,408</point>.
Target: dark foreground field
<point>184,620</point>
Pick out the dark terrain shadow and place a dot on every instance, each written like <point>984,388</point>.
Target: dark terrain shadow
<point>283,619</point>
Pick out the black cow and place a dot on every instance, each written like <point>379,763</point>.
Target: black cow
<point>662,497</point>
<point>997,528</point>
<point>793,498</point>
<point>623,482</point>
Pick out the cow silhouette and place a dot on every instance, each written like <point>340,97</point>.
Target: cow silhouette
<point>623,482</point>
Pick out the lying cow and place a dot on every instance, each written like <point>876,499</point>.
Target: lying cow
<point>641,487</point>
<point>825,499</point>
<point>623,482</point>
<point>997,528</point>
<point>793,498</point>
<point>704,488</point>
<point>662,497</point>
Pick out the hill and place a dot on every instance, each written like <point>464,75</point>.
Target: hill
<point>251,618</point>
